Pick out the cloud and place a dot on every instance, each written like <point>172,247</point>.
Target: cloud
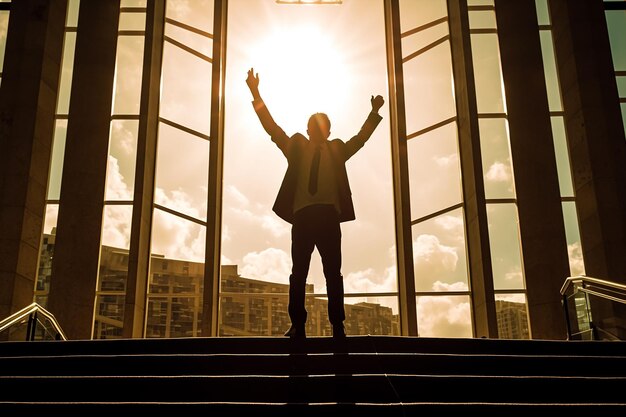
<point>576,262</point>
<point>271,264</point>
<point>498,172</point>
<point>444,316</point>
<point>177,200</point>
<point>116,226</point>
<point>432,257</point>
<point>446,161</point>
<point>368,281</point>
<point>177,238</point>
<point>116,189</point>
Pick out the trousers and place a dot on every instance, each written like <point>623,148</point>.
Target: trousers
<point>316,226</point>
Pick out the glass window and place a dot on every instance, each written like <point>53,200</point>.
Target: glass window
<point>512,316</point>
<point>562,156</point>
<point>496,158</point>
<point>444,316</point>
<point>414,14</point>
<point>72,13</point>
<point>572,233</point>
<point>56,163</point>
<point>132,21</point>
<point>197,14</point>
<point>429,95</point>
<point>182,172</point>
<point>543,14</point>
<point>4,26</point>
<point>504,240</point>
<point>185,89</point>
<point>487,73</point>
<point>120,182</point>
<point>482,19</point>
<point>175,238</point>
<point>198,42</point>
<point>434,171</point>
<point>616,22</point>
<point>439,253</point>
<point>67,69</point>
<point>128,74</point>
<point>549,66</point>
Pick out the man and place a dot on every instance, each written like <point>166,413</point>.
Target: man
<point>315,198</point>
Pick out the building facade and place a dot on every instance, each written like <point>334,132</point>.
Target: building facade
<point>515,174</point>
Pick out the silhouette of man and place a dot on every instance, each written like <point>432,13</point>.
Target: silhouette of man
<point>315,198</point>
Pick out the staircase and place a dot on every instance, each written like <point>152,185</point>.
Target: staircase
<point>360,376</point>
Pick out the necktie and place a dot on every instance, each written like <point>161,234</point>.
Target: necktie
<point>315,167</point>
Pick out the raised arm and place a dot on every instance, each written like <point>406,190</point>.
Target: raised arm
<point>372,121</point>
<point>271,127</point>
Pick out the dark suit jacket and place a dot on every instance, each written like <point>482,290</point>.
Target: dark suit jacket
<point>293,149</point>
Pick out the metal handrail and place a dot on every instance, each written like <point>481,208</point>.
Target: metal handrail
<point>28,310</point>
<point>580,280</point>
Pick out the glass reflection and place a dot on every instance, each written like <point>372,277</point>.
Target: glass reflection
<point>512,316</point>
<point>496,158</point>
<point>444,316</point>
<point>505,246</point>
<point>439,253</point>
<point>434,171</point>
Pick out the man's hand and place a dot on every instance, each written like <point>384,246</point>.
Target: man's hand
<point>253,83</point>
<point>377,102</point>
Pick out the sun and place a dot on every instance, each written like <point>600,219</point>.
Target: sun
<point>301,71</point>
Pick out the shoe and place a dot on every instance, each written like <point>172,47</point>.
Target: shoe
<point>296,332</point>
<point>339,331</point>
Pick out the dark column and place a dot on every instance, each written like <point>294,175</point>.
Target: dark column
<point>595,133</point>
<point>476,226</point>
<point>77,249</point>
<point>28,96</point>
<point>400,166</point>
<point>139,258</point>
<point>542,230</point>
<point>216,157</point>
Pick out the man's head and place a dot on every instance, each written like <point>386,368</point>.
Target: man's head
<point>318,127</point>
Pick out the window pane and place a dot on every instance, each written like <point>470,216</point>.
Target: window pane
<point>549,66</point>
<point>56,164</point>
<point>434,171</point>
<point>487,73</point>
<point>128,71</point>
<point>132,21</point>
<point>496,158</point>
<point>186,89</point>
<point>176,316</point>
<point>621,86</point>
<point>371,316</point>
<point>422,39</point>
<point>562,157</point>
<point>197,42</point>
<point>116,225</point>
<point>482,19</point>
<point>65,84</point>
<point>572,233</point>
<point>120,181</point>
<point>174,238</point>
<point>512,316</point>
<point>543,15</point>
<point>182,172</point>
<point>133,3</point>
<point>417,13</point>
<point>439,253</point>
<point>505,246</point>
<point>4,25</point>
<point>72,13</point>
<point>429,75</point>
<point>197,13</point>
<point>444,316</point>
<point>42,286</point>
<point>616,22</point>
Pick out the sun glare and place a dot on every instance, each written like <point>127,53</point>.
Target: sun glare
<point>301,72</point>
